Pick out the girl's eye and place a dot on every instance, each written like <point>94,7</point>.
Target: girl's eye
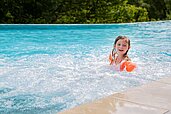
<point>124,45</point>
<point>119,44</point>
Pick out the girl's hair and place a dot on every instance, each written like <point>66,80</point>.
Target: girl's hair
<point>127,40</point>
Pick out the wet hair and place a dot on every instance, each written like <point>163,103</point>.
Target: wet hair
<point>127,40</point>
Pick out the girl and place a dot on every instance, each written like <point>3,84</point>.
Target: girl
<point>118,57</point>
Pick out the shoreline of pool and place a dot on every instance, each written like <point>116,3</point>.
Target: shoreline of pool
<point>151,98</point>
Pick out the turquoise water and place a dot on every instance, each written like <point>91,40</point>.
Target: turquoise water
<point>45,69</point>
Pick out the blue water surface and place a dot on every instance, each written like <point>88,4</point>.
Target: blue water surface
<point>45,69</point>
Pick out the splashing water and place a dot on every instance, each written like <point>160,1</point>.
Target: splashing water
<point>49,68</point>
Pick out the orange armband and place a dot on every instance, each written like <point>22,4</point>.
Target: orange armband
<point>130,66</point>
<point>110,59</point>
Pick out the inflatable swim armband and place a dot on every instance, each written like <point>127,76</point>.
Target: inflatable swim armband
<point>130,66</point>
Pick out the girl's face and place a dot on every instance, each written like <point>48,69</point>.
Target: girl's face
<point>121,46</point>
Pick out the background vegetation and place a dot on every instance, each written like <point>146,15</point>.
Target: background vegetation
<point>83,11</point>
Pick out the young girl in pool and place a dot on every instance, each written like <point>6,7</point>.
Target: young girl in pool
<point>118,57</point>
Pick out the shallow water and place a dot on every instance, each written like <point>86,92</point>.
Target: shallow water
<point>50,68</point>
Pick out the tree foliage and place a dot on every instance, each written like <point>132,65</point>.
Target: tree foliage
<point>83,11</point>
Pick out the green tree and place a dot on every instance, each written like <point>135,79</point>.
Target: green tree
<point>83,11</point>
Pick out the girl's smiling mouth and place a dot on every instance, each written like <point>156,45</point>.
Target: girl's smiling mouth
<point>120,50</point>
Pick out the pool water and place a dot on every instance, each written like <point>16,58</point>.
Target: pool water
<point>45,69</point>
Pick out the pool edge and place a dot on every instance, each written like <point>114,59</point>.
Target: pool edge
<point>151,98</point>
